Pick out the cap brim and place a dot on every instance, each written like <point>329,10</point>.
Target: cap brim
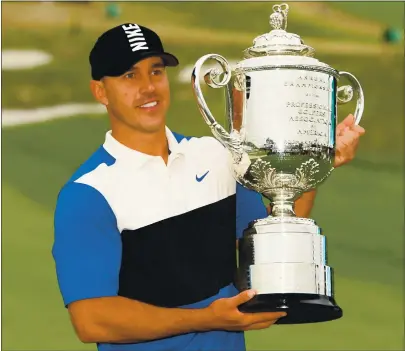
<point>168,59</point>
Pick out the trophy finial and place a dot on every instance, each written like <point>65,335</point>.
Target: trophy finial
<point>278,41</point>
<point>278,19</point>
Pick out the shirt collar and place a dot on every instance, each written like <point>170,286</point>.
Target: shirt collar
<point>121,152</point>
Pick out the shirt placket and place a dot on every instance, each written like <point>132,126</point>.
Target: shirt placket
<point>177,183</point>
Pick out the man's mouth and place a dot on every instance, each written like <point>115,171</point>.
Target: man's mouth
<point>149,104</point>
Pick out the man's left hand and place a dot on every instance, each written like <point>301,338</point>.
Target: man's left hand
<point>347,140</point>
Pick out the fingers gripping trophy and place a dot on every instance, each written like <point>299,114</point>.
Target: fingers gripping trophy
<point>282,117</point>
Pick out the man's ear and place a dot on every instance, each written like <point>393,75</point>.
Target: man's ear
<point>98,90</point>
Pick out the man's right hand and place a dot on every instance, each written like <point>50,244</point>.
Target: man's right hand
<point>226,315</point>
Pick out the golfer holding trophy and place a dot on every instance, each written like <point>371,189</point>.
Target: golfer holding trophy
<point>282,114</point>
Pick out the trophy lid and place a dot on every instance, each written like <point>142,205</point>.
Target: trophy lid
<point>278,41</point>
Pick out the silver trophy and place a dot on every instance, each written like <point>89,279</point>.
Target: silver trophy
<point>282,117</point>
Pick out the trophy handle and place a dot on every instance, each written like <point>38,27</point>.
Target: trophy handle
<point>345,94</point>
<point>231,141</point>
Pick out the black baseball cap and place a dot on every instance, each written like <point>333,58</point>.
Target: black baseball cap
<point>119,48</point>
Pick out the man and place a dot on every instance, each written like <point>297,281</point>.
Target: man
<point>145,229</point>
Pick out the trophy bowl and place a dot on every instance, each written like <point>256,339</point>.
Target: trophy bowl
<point>281,108</point>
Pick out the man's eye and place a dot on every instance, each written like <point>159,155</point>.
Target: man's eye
<point>157,72</point>
<point>129,75</point>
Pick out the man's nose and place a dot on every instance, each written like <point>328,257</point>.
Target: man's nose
<point>147,85</point>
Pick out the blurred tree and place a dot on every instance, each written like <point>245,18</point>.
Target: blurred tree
<point>392,35</point>
<point>113,10</point>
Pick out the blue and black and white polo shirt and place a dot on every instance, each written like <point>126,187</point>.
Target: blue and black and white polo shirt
<point>127,224</point>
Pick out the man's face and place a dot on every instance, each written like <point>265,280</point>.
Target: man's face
<point>140,97</point>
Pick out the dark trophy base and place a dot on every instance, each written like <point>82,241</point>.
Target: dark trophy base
<point>300,308</point>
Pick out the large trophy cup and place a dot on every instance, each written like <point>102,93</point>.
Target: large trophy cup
<point>282,114</point>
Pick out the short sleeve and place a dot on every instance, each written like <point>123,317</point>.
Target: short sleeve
<point>249,207</point>
<point>87,244</point>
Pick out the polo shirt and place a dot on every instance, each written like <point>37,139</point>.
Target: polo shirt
<point>126,224</point>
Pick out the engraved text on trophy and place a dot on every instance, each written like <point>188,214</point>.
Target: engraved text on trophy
<point>290,106</point>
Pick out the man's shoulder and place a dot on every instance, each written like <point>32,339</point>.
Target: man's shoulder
<point>74,189</point>
<point>100,156</point>
<point>180,137</point>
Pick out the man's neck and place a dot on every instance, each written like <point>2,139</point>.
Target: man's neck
<point>154,144</point>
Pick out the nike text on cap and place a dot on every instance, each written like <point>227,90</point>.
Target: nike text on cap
<point>118,49</point>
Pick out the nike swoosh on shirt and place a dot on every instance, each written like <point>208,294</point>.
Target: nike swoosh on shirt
<point>199,179</point>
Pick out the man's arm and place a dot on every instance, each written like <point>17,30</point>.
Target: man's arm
<point>121,320</point>
<point>249,207</point>
<point>305,203</point>
<point>87,253</point>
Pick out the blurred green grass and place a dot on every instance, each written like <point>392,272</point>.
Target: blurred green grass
<point>389,13</point>
<point>359,208</point>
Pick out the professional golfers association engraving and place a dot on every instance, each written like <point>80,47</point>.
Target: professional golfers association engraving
<point>281,105</point>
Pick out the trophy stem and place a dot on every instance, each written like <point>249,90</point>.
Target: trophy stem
<point>282,208</point>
